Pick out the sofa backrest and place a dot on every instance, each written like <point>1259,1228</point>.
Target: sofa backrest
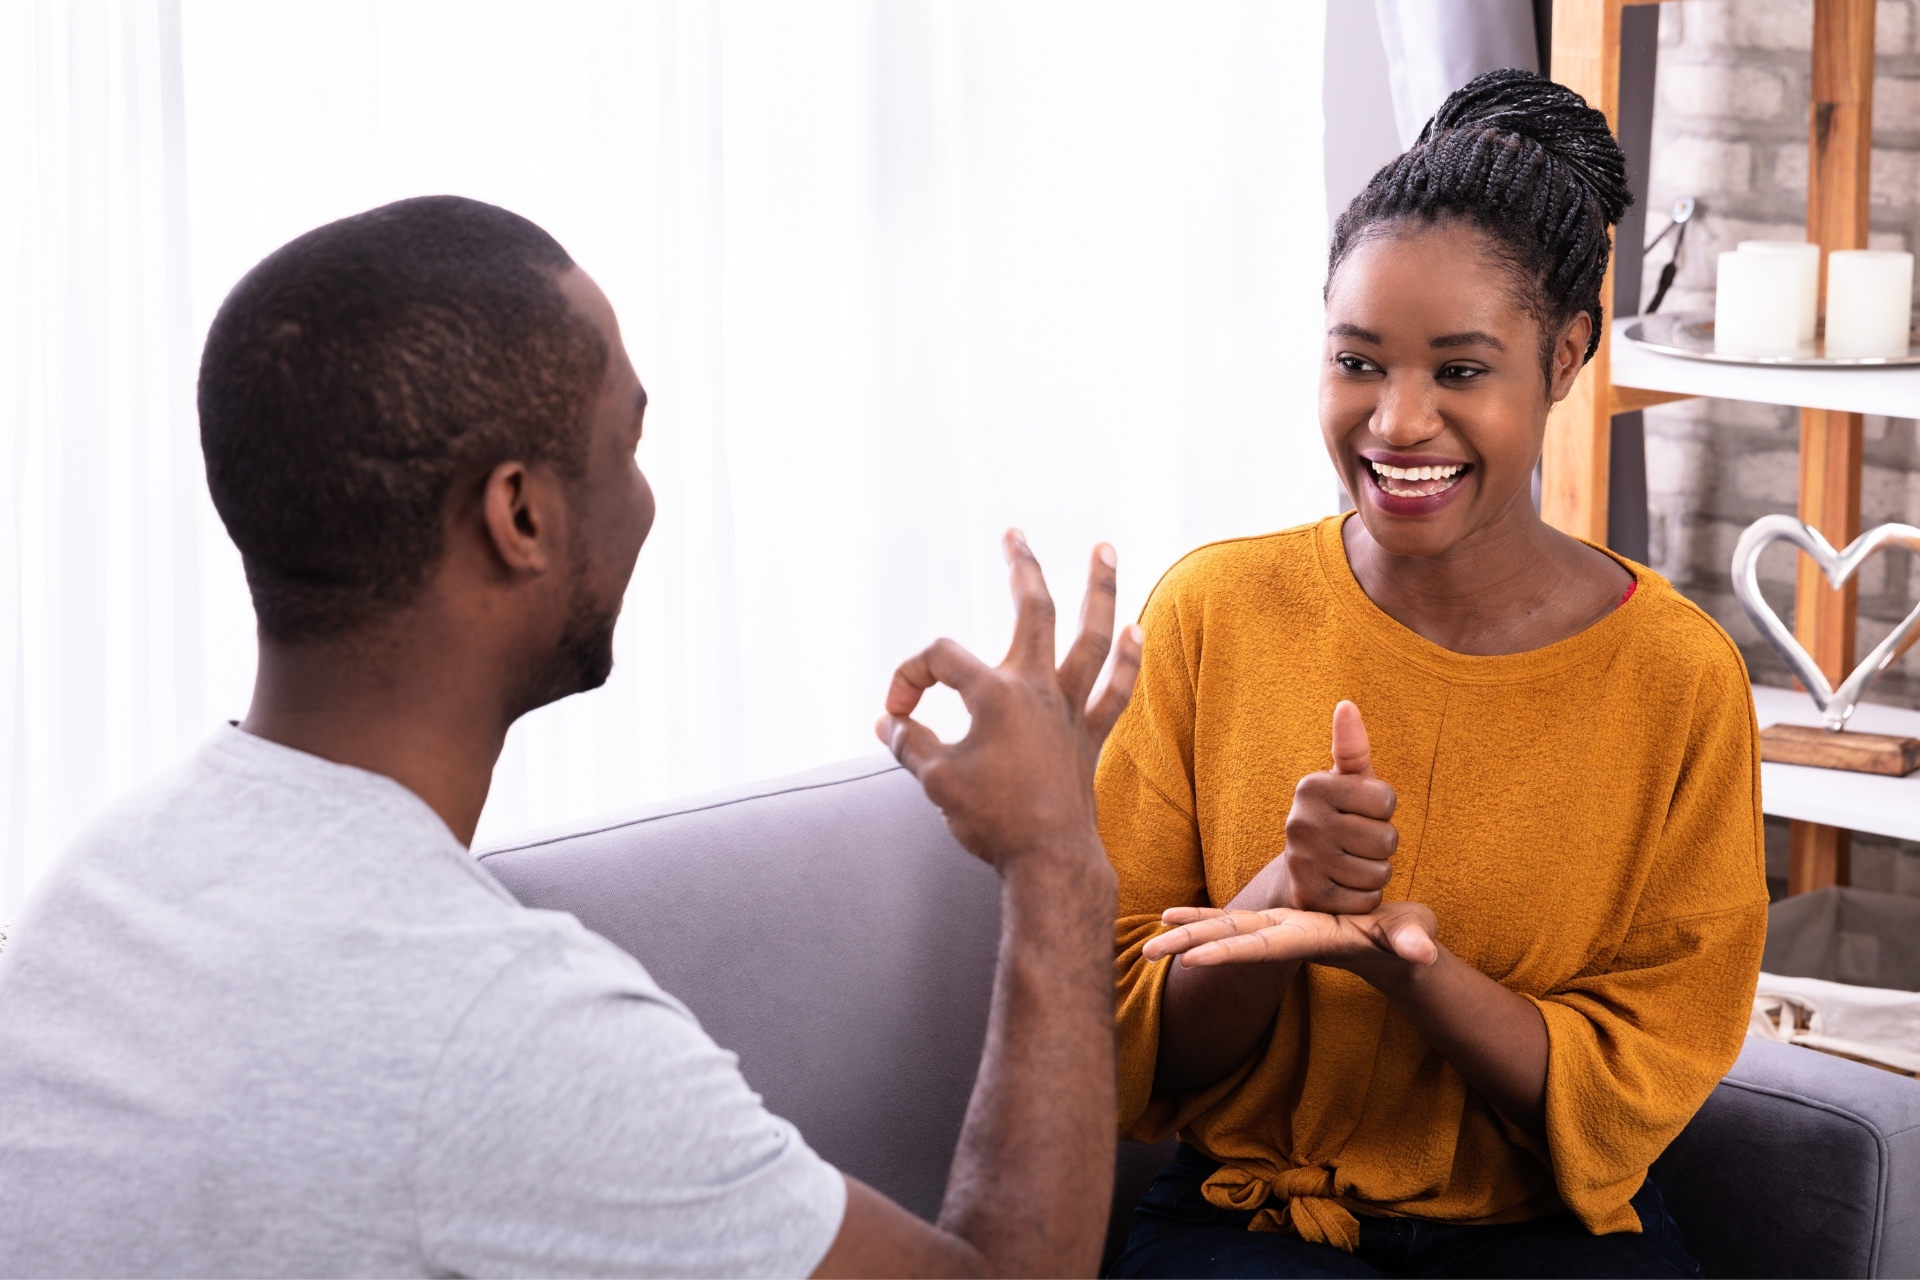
<point>826,928</point>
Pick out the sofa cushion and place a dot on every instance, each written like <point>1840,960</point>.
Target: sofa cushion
<point>826,928</point>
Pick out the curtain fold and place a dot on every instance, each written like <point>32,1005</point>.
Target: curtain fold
<point>896,273</point>
<point>100,627</point>
<point>1435,46</point>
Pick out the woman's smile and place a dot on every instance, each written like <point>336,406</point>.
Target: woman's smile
<point>1413,485</point>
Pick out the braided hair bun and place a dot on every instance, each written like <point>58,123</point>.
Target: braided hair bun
<point>1525,161</point>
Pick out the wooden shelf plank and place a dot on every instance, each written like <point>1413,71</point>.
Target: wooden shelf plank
<point>1632,399</point>
<point>1574,460</point>
<point>1832,797</point>
<point>1892,391</point>
<point>1840,155</point>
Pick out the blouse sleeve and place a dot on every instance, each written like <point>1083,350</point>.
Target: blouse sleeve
<point>1634,1050</point>
<point>1144,791</point>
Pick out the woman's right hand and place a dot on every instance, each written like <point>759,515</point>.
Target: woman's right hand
<point>1340,837</point>
<point>1319,902</point>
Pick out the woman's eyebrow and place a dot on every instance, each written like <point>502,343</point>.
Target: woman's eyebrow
<point>1471,338</point>
<point>1353,331</point>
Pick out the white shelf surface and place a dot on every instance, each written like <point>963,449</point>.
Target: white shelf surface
<point>1890,390</point>
<point>1835,797</point>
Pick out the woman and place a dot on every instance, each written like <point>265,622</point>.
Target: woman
<point>1463,987</point>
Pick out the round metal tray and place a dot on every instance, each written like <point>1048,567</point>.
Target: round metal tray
<point>1690,334</point>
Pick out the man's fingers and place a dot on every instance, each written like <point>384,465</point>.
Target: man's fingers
<point>1112,698</point>
<point>1351,753</point>
<point>1089,651</point>
<point>912,743</point>
<point>942,662</point>
<point>1032,607</point>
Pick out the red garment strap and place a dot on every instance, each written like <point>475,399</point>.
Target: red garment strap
<point>1628,593</point>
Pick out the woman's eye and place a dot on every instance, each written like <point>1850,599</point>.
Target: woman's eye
<point>1354,364</point>
<point>1460,373</point>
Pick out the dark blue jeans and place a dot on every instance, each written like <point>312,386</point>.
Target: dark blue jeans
<point>1177,1233</point>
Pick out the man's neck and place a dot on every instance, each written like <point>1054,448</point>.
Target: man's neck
<point>405,709</point>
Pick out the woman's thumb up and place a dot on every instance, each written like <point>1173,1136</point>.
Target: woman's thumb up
<point>1351,754</point>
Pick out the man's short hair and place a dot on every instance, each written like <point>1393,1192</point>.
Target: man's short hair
<point>366,372</point>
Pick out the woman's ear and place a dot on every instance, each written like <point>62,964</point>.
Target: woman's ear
<point>1569,354</point>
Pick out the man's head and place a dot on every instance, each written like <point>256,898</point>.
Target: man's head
<point>385,390</point>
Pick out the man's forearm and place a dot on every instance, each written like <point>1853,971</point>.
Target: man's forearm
<point>1032,1179</point>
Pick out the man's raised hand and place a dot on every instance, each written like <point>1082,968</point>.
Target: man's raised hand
<point>1021,781</point>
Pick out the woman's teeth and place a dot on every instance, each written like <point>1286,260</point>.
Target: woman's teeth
<point>1419,482</point>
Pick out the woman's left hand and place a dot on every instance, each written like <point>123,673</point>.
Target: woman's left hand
<point>1396,933</point>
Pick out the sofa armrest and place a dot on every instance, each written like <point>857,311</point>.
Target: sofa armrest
<point>1800,1164</point>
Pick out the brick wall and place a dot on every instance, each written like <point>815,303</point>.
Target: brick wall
<point>1730,127</point>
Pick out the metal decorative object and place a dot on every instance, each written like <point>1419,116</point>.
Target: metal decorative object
<point>1682,215</point>
<point>1836,705</point>
<point>1690,334</point>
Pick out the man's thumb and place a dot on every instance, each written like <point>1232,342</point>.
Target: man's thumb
<point>1351,753</point>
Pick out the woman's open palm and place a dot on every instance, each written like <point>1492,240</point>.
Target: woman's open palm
<point>1210,936</point>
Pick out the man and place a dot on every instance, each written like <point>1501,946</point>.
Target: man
<point>270,1017</point>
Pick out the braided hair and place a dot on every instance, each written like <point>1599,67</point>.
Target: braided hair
<point>1529,164</point>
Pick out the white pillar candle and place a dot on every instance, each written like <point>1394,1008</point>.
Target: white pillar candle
<point>1869,302</point>
<point>1808,256</point>
<point>1756,308</point>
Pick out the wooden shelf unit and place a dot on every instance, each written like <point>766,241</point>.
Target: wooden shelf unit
<point>1586,58</point>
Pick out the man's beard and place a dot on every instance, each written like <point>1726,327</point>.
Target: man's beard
<point>582,660</point>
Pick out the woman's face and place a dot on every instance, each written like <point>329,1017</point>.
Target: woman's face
<point>1432,400</point>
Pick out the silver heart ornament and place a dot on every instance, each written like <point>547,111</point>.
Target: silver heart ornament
<point>1835,704</point>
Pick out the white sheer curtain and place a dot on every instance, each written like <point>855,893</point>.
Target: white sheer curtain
<point>100,540</point>
<point>897,274</point>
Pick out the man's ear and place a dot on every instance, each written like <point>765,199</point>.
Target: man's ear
<point>1569,355</point>
<point>523,512</point>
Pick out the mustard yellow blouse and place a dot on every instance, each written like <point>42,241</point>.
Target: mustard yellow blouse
<point>1583,819</point>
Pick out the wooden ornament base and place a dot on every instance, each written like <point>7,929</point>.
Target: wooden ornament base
<point>1855,752</point>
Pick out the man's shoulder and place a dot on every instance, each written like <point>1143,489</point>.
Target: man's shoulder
<point>248,872</point>
<point>264,819</point>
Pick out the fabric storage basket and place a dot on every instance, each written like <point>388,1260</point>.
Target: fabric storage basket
<point>1841,973</point>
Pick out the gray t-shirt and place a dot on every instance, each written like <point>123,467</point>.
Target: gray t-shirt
<point>271,1018</point>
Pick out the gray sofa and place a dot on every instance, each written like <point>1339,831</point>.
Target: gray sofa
<point>827,929</point>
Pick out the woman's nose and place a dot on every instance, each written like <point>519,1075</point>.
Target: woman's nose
<point>1405,414</point>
